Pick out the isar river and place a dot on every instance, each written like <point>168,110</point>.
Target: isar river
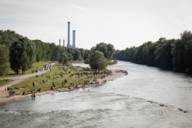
<point>146,98</point>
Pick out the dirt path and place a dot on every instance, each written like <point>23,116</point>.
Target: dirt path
<point>17,79</point>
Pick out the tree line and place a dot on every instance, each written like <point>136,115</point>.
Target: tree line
<point>172,54</point>
<point>18,52</point>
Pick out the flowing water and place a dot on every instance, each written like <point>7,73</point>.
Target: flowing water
<point>146,98</point>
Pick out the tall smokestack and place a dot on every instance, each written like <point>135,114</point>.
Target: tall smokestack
<point>63,43</point>
<point>59,42</point>
<point>68,40</point>
<point>74,38</point>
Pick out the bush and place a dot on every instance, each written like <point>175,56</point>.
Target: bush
<point>97,61</point>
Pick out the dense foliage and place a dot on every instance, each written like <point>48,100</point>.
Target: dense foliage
<point>21,55</point>
<point>63,59</point>
<point>100,56</point>
<point>23,52</point>
<point>97,60</point>
<point>106,49</point>
<point>174,54</point>
<point>4,60</point>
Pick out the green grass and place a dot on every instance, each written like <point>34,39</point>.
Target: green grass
<point>36,65</point>
<point>69,75</point>
<point>3,82</point>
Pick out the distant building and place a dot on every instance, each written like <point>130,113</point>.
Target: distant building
<point>63,43</point>
<point>69,45</point>
<point>68,36</point>
<point>59,42</point>
<point>74,39</point>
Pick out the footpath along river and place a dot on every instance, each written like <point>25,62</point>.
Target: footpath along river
<point>146,98</point>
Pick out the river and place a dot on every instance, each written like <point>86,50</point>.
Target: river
<point>146,98</point>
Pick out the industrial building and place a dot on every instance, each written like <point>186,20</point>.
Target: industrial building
<point>69,43</point>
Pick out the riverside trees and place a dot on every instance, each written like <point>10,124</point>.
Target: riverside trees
<point>174,54</point>
<point>106,49</point>
<point>23,52</point>
<point>21,55</point>
<point>4,60</point>
<point>100,55</point>
<point>63,59</point>
<point>97,61</point>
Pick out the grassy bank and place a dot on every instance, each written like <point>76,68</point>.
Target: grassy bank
<point>36,66</point>
<point>59,78</point>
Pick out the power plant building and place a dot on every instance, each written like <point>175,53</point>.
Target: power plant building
<point>69,38</point>
<point>68,34</point>
<point>74,39</point>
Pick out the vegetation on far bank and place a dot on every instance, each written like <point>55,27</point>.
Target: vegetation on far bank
<point>59,78</point>
<point>18,53</point>
<point>173,54</point>
<point>22,55</point>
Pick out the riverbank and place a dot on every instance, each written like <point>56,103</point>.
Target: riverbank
<point>100,81</point>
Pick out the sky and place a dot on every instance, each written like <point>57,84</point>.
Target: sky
<point>123,23</point>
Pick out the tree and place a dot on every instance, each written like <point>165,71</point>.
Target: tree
<point>186,38</point>
<point>21,55</point>
<point>86,56</point>
<point>110,51</point>
<point>63,59</point>
<point>4,60</point>
<point>7,37</point>
<point>42,51</point>
<point>163,54</point>
<point>178,56</point>
<point>77,55</point>
<point>106,49</point>
<point>173,54</point>
<point>97,61</point>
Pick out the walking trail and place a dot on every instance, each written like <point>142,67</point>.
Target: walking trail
<point>15,80</point>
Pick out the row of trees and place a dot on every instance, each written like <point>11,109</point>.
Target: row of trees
<point>18,52</point>
<point>174,54</point>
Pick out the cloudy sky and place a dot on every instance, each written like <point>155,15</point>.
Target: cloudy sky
<point>123,23</point>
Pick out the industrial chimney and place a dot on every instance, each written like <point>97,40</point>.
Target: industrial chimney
<point>63,43</point>
<point>59,42</point>
<point>68,40</point>
<point>74,39</point>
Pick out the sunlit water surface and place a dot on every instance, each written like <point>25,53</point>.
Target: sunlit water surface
<point>146,98</point>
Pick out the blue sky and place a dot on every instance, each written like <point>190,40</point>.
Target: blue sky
<point>123,23</point>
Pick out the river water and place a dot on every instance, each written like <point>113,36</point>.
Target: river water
<point>146,98</point>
